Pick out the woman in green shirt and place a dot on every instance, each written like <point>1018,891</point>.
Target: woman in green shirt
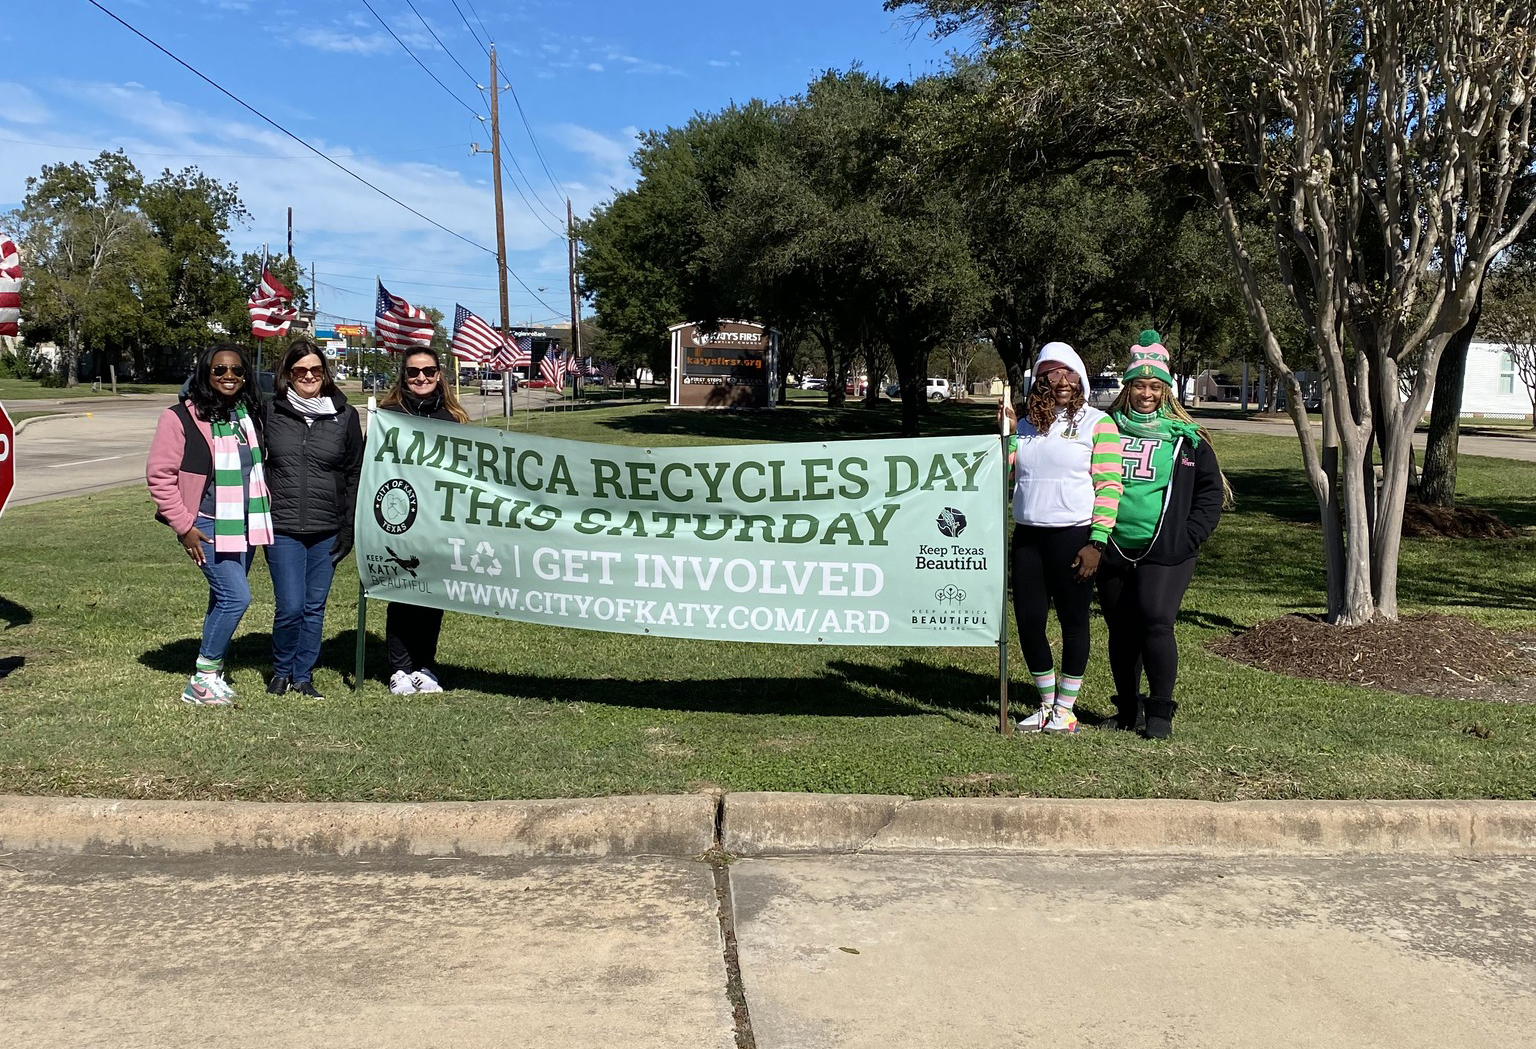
<point>1173,495</point>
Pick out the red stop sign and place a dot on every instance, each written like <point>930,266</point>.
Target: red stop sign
<point>7,458</point>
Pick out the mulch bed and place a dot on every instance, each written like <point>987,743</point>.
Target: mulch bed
<point>1422,521</point>
<point>1427,655</point>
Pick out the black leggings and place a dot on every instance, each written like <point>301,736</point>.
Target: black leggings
<point>1140,603</point>
<point>410,636</point>
<point>1043,576</point>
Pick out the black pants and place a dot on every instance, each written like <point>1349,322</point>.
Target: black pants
<point>1043,576</point>
<point>1140,603</point>
<point>410,636</point>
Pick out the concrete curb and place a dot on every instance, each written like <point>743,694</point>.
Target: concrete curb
<point>29,420</point>
<point>668,825</point>
<point>771,824</point>
<point>785,824</point>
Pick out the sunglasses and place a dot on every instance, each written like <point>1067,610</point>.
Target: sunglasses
<point>236,370</point>
<point>430,371</point>
<point>315,372</point>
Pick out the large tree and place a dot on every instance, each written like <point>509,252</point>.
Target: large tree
<point>82,235</point>
<point>1385,138</point>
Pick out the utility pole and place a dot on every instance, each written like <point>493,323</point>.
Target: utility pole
<point>570,227</point>
<point>501,229</point>
<point>290,234</point>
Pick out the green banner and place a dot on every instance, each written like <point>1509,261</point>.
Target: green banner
<point>895,542</point>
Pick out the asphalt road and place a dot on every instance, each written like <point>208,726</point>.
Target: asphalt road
<point>101,443</point>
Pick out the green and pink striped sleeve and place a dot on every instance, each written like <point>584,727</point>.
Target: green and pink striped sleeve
<point>1105,469</point>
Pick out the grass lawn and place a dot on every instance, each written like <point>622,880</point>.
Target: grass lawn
<point>101,620</point>
<point>32,390</point>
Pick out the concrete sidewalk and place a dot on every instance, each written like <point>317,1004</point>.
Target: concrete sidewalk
<point>841,921</point>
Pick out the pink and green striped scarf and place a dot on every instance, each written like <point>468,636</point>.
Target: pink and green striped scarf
<point>238,523</point>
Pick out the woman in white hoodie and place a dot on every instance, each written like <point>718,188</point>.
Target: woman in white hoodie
<point>1066,491</point>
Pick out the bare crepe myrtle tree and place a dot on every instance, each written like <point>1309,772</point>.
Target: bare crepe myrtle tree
<point>1384,138</point>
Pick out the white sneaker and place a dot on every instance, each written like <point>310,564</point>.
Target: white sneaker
<point>1035,720</point>
<point>1061,721</point>
<point>425,681</point>
<point>400,683</point>
<point>218,685</point>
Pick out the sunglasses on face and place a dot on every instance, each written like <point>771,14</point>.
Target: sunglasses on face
<point>233,369</point>
<point>430,372</point>
<point>315,372</point>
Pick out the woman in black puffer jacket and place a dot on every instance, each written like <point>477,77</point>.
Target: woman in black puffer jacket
<point>314,455</point>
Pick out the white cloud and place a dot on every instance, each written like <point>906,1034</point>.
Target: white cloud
<point>335,215</point>
<point>594,67</point>
<point>642,65</point>
<point>609,156</point>
<point>342,43</point>
<point>22,106</point>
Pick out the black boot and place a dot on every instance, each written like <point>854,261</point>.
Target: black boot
<point>278,685</point>
<point>1128,714</point>
<point>1159,718</point>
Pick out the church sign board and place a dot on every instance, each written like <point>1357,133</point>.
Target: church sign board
<point>733,365</point>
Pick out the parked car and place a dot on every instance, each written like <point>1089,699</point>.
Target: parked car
<point>936,389</point>
<point>810,382</point>
<point>490,382</point>
<point>376,381</point>
<point>1103,390</point>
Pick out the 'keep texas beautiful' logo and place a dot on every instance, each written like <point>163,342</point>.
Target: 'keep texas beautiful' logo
<point>949,611</point>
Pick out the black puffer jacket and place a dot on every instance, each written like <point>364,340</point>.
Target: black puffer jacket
<point>313,470</point>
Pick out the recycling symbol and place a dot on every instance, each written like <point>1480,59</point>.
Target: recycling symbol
<point>493,563</point>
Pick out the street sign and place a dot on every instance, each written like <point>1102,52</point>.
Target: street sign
<point>7,458</point>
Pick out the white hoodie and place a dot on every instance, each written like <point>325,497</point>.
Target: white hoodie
<point>1055,480</point>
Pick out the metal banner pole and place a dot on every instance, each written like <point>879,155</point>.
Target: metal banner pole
<point>1004,722</point>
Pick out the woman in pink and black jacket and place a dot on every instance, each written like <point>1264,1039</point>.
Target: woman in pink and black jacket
<point>205,475</point>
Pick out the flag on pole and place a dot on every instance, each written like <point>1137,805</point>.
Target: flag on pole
<point>270,306</point>
<point>552,367</point>
<point>514,354</point>
<point>10,287</point>
<point>401,326</point>
<point>474,341</point>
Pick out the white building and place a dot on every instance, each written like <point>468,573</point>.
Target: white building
<point>1493,388</point>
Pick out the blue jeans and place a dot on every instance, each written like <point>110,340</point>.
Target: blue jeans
<point>301,572</point>
<point>229,594</point>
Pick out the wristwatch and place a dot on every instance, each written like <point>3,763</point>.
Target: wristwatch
<point>1097,544</point>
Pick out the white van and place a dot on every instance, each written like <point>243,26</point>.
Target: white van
<point>1104,389</point>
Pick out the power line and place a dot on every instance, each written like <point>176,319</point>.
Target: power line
<point>247,106</point>
<point>472,78</point>
<point>471,5</point>
<point>418,61</point>
<point>219,156</point>
<point>559,192</point>
<point>471,28</point>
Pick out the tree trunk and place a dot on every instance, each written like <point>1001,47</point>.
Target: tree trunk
<point>1437,481</point>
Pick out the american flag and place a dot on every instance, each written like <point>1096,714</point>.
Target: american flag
<point>552,367</point>
<point>10,287</point>
<point>515,354</point>
<point>269,305</point>
<point>401,326</point>
<point>474,340</point>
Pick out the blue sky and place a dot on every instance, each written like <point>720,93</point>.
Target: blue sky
<point>589,75</point>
